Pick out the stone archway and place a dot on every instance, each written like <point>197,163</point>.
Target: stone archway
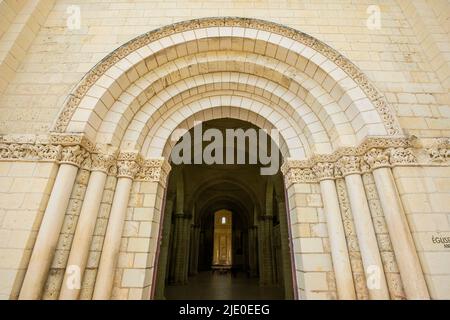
<point>261,267</point>
<point>334,125</point>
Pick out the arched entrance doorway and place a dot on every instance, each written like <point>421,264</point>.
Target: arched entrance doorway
<point>259,261</point>
<point>338,139</point>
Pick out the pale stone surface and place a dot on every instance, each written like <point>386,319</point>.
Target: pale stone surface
<point>261,77</point>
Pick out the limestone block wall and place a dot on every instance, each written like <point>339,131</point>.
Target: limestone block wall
<point>429,20</point>
<point>425,193</point>
<point>314,268</point>
<point>21,22</point>
<point>24,191</point>
<point>395,56</point>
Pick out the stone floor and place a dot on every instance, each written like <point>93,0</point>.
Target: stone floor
<point>208,286</point>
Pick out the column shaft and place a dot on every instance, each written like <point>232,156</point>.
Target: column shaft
<point>338,244</point>
<point>162,267</point>
<point>267,273</point>
<point>83,236</point>
<point>373,266</point>
<point>187,236</point>
<point>400,234</point>
<point>47,239</point>
<point>180,249</point>
<point>113,237</point>
<point>285,251</point>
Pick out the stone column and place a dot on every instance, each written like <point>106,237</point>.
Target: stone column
<point>373,265</point>
<point>164,251</point>
<point>265,235</point>
<point>191,249</point>
<point>181,247</point>
<point>187,237</point>
<point>174,251</point>
<point>79,251</point>
<point>252,251</point>
<point>127,169</point>
<point>285,249</point>
<point>336,234</point>
<point>196,249</point>
<point>50,228</point>
<point>396,221</point>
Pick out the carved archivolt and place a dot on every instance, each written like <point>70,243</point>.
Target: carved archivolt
<point>348,67</point>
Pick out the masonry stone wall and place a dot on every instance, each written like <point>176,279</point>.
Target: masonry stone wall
<point>42,59</point>
<point>24,191</point>
<point>396,57</point>
<point>425,192</point>
<point>311,249</point>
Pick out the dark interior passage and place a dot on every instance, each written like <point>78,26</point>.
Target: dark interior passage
<point>260,258</point>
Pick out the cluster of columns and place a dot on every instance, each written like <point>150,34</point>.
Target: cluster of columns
<point>47,238</point>
<point>350,167</point>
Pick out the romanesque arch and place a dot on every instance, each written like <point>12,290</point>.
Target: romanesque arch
<point>337,132</point>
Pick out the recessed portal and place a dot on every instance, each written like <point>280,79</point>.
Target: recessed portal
<point>225,232</point>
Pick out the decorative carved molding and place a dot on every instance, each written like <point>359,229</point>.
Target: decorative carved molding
<point>349,165</point>
<point>128,164</point>
<point>30,152</point>
<point>102,162</point>
<point>154,170</point>
<point>403,156</point>
<point>72,140</point>
<point>377,158</point>
<point>359,277</point>
<point>439,151</point>
<point>75,155</point>
<point>324,170</point>
<point>127,169</point>
<point>300,175</point>
<point>74,99</point>
<point>371,154</point>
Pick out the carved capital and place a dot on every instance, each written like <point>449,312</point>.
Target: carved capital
<point>128,164</point>
<point>349,165</point>
<point>377,158</point>
<point>127,169</point>
<point>75,155</point>
<point>102,162</point>
<point>324,170</point>
<point>154,170</point>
